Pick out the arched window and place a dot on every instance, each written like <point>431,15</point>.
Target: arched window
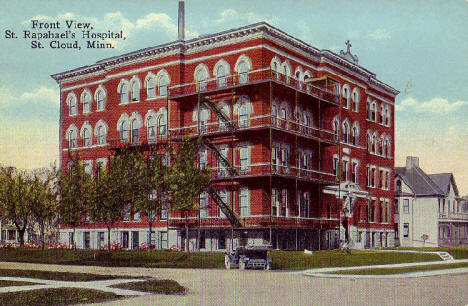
<point>382,114</point>
<point>135,89</point>
<point>101,99</point>
<point>375,142</point>
<point>383,145</point>
<point>71,101</point>
<point>225,109</point>
<point>124,131</point>
<point>389,147</point>
<point>243,72</point>
<point>388,115</point>
<point>162,125</point>
<point>336,129</point>
<point>101,135</point>
<point>355,135</point>
<point>204,117</point>
<point>221,76</point>
<point>72,138</point>
<point>374,111</point>
<point>86,137</point>
<point>346,131</point>
<point>369,110</point>
<point>124,94</point>
<point>201,75</point>
<point>134,128</point>
<point>274,114</point>
<point>346,96</point>
<point>151,128</point>
<point>151,87</point>
<point>163,86</point>
<point>355,98</point>
<point>86,101</point>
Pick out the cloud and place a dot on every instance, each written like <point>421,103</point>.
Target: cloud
<point>43,93</point>
<point>380,34</point>
<point>435,105</point>
<point>231,15</point>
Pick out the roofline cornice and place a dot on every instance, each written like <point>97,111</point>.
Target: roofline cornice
<point>251,31</point>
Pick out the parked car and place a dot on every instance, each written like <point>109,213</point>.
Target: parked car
<point>248,258</point>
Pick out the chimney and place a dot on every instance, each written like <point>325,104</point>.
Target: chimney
<point>411,162</point>
<point>181,20</point>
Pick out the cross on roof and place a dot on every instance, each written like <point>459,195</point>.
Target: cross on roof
<point>349,45</point>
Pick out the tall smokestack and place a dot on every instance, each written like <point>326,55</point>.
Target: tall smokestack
<point>181,20</point>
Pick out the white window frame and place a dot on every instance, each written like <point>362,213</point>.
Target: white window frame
<point>244,202</point>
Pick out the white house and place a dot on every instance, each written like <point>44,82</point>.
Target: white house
<point>428,209</point>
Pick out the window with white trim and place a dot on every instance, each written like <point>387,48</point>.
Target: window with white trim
<point>224,195</point>
<point>355,134</point>
<point>222,171</point>
<point>71,101</point>
<point>163,82</point>
<point>355,98</point>
<point>275,202</point>
<point>86,100</point>
<point>336,129</point>
<point>151,87</point>
<point>346,96</point>
<point>203,205</point>
<point>244,115</point>
<point>86,137</point>
<point>101,135</point>
<point>285,203</point>
<point>203,158</point>
<point>345,170</point>
<point>346,131</point>
<point>162,125</point>
<point>101,99</point>
<point>134,130</point>
<point>135,89</point>
<point>405,206</point>
<point>306,205</point>
<point>243,70</point>
<point>151,128</point>
<point>72,134</point>
<point>244,158</point>
<point>124,131</point>
<point>336,166</point>
<point>221,76</point>
<point>354,173</point>
<point>124,93</point>
<point>406,230</point>
<point>244,202</point>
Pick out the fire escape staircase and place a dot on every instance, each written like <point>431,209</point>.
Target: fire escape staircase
<point>218,113</point>
<point>228,211</point>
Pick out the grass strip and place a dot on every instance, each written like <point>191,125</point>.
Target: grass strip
<point>456,252</point>
<point>55,296</point>
<point>8,283</point>
<point>60,276</point>
<point>164,286</point>
<point>400,270</point>
<point>282,260</point>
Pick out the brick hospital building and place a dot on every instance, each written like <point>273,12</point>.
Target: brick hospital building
<point>300,141</point>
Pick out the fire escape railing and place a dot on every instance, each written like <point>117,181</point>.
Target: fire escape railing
<point>228,123</point>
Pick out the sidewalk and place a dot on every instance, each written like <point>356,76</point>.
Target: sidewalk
<point>325,272</point>
<point>102,285</point>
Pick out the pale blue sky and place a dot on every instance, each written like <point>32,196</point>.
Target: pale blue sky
<point>421,42</point>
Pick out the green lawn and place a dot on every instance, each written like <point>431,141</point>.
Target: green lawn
<point>456,252</point>
<point>387,271</point>
<point>7,283</point>
<point>282,260</point>
<point>61,276</point>
<point>55,296</point>
<point>164,286</point>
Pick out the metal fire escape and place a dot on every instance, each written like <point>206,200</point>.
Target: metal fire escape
<point>228,211</point>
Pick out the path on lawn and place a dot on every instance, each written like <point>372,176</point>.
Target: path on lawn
<point>234,287</point>
<point>102,285</point>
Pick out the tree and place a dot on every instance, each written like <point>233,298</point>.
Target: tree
<point>150,181</point>
<point>43,204</point>
<point>15,196</point>
<point>187,180</point>
<point>74,195</point>
<point>112,190</point>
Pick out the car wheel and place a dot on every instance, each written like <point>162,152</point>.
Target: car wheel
<point>227,262</point>
<point>242,265</point>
